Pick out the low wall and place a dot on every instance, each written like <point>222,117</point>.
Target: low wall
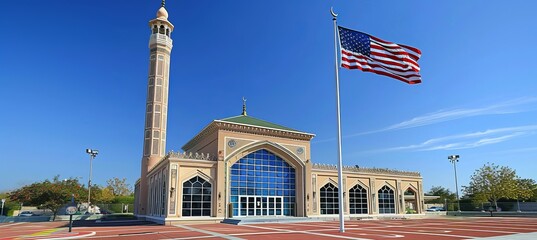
<point>494,214</point>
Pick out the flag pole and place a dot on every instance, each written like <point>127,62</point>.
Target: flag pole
<point>340,164</point>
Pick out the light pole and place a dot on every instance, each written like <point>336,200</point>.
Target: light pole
<point>454,159</point>
<point>93,153</point>
<point>3,201</point>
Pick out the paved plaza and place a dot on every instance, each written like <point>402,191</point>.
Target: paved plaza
<point>438,228</point>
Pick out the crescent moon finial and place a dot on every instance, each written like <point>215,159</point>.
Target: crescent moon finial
<point>244,106</point>
<point>332,12</point>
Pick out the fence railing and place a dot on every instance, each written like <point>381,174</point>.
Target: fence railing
<point>487,206</point>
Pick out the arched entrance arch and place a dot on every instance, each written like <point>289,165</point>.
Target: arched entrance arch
<point>411,200</point>
<point>265,180</point>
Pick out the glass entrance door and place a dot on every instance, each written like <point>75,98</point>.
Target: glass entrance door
<point>260,206</point>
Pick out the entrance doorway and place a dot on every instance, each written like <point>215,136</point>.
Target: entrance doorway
<point>260,206</point>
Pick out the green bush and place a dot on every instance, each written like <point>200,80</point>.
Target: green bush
<point>123,199</point>
<point>410,211</point>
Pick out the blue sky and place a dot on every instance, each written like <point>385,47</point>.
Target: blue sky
<point>73,76</point>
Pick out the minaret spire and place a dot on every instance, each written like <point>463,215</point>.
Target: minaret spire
<point>163,4</point>
<point>244,107</point>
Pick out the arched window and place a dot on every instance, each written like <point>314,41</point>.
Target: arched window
<point>329,199</point>
<point>197,197</point>
<point>163,195</point>
<point>167,32</point>
<point>386,200</point>
<point>358,200</point>
<point>155,29</point>
<point>161,29</point>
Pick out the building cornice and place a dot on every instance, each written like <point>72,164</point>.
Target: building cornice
<point>246,128</point>
<point>189,156</point>
<point>350,169</point>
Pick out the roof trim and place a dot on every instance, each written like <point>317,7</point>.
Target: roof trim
<point>277,129</point>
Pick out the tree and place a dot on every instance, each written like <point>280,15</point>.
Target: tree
<point>119,187</point>
<point>444,194</point>
<point>492,182</point>
<point>49,194</point>
<point>527,189</point>
<point>9,205</point>
<point>107,195</point>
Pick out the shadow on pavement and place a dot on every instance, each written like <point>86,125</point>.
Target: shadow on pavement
<point>110,221</point>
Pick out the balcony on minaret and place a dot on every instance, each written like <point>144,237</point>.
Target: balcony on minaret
<point>160,38</point>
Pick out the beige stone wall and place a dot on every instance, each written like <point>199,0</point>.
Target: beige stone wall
<point>208,144</point>
<point>187,169</point>
<point>371,182</point>
<point>157,189</point>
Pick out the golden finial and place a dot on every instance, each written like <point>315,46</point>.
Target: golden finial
<point>244,107</point>
<point>163,4</point>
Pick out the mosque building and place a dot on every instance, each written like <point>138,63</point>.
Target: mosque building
<point>242,166</point>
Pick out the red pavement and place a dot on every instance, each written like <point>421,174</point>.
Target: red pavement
<point>418,229</point>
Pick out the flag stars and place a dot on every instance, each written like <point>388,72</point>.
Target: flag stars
<point>355,41</point>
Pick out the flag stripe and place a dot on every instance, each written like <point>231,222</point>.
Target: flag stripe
<point>352,60</point>
<point>386,55</point>
<point>377,71</point>
<point>367,64</point>
<point>371,54</point>
<point>349,57</point>
<point>396,51</point>
<point>414,50</point>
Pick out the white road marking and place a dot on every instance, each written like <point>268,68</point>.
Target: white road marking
<point>307,232</point>
<point>215,234</point>
<point>72,237</point>
<point>419,233</point>
<point>433,231</point>
<point>11,224</point>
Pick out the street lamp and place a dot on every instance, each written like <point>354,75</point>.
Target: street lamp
<point>3,201</point>
<point>454,159</point>
<point>93,153</point>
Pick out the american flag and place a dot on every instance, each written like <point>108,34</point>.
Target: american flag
<point>370,54</point>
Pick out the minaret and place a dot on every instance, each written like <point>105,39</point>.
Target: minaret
<point>160,47</point>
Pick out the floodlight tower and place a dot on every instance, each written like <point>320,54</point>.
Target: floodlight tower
<point>454,159</point>
<point>93,153</point>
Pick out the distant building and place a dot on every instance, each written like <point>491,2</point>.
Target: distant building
<point>242,166</point>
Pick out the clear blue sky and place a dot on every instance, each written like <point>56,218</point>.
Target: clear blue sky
<point>74,73</point>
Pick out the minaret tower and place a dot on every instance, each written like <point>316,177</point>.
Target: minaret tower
<point>160,47</point>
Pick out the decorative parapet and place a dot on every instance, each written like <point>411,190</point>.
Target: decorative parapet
<point>189,155</point>
<point>238,127</point>
<point>357,169</point>
<point>245,128</point>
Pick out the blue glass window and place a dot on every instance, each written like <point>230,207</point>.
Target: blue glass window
<point>263,173</point>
